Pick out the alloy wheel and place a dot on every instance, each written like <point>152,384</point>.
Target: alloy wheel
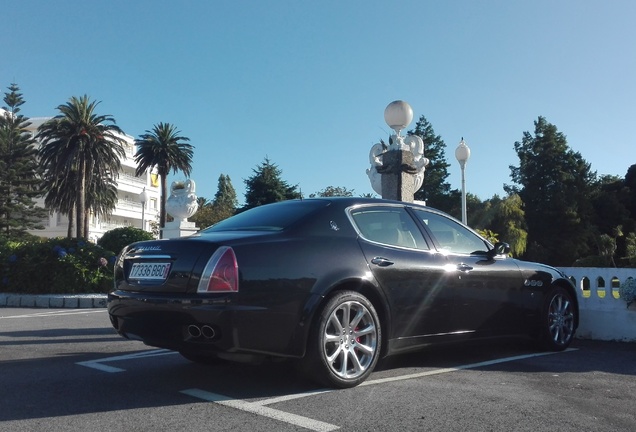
<point>350,340</point>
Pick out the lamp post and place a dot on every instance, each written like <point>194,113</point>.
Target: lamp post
<point>143,197</point>
<point>462,153</point>
<point>397,169</point>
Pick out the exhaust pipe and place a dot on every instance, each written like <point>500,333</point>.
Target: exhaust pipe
<point>194,331</point>
<point>208,332</point>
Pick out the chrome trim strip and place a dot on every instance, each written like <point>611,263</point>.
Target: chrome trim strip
<point>148,257</point>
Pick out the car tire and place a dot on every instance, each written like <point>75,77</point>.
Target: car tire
<point>345,341</point>
<point>558,319</point>
<point>208,359</point>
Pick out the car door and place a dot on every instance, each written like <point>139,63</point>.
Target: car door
<point>489,290</point>
<point>411,274</point>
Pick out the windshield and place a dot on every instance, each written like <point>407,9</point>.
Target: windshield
<point>270,217</point>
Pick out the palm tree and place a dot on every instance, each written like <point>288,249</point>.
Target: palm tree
<point>165,149</point>
<point>79,148</point>
<point>60,195</point>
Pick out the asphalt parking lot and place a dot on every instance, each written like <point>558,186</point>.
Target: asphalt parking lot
<point>67,370</point>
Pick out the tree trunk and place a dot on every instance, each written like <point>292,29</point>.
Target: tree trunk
<point>81,203</point>
<point>162,210</point>
<point>69,233</point>
<point>87,218</point>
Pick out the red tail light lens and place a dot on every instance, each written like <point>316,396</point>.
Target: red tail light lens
<point>220,273</point>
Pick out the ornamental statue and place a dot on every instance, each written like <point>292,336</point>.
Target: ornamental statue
<point>182,202</point>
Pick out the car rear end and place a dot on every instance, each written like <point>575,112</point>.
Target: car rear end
<point>175,294</point>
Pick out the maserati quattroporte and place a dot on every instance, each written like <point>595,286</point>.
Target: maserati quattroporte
<point>334,284</point>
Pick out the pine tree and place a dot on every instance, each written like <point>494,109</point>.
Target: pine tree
<point>266,186</point>
<point>554,183</point>
<point>435,190</point>
<point>20,177</point>
<point>225,201</point>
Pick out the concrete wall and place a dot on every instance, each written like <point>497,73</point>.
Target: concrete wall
<point>604,315</point>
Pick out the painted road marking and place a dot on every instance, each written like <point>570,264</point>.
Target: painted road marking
<point>259,408</point>
<point>56,313</point>
<point>462,367</point>
<point>98,364</point>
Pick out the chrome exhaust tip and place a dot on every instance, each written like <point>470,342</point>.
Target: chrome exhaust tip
<point>194,331</point>
<point>208,332</point>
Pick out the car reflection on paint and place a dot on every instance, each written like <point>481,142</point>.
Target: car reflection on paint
<point>334,284</point>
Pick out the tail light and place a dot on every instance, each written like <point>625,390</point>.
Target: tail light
<point>220,273</point>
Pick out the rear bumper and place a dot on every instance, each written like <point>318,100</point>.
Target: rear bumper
<point>170,321</point>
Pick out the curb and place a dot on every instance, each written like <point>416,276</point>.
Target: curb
<point>65,301</point>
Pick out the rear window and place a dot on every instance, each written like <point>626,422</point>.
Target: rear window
<point>269,217</point>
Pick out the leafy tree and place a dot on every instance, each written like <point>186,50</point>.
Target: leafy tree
<point>266,186</point>
<point>553,182</point>
<point>331,191</point>
<point>222,207</point>
<point>79,151</point>
<point>225,202</point>
<point>19,171</point>
<point>203,217</point>
<point>509,222</point>
<point>479,213</point>
<point>164,148</point>
<point>630,184</point>
<point>629,260</point>
<point>435,190</point>
<point>609,198</point>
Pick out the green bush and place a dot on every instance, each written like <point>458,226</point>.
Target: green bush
<point>52,266</point>
<point>117,239</point>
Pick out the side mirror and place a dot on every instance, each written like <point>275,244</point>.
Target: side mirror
<point>500,248</point>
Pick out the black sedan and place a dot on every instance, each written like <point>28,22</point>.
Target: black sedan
<point>335,284</point>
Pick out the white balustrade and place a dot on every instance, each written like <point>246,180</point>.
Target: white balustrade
<point>603,314</point>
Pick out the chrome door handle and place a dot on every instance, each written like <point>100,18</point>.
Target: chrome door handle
<point>382,262</point>
<point>464,267</point>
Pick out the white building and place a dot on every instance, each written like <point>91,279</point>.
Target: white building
<point>128,211</point>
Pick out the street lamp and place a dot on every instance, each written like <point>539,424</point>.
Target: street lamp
<point>143,197</point>
<point>398,115</point>
<point>462,153</point>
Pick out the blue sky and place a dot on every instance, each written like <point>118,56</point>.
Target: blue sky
<point>305,83</point>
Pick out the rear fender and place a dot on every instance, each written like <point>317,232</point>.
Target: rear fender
<point>363,284</point>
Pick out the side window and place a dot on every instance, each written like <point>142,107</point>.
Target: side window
<point>452,236</point>
<point>388,225</point>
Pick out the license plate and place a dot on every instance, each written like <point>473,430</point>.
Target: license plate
<point>149,271</point>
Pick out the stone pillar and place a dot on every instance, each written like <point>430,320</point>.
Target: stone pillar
<point>397,175</point>
<point>179,228</point>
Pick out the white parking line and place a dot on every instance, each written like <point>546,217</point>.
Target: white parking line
<point>97,364</point>
<point>56,313</point>
<point>462,367</point>
<point>260,409</point>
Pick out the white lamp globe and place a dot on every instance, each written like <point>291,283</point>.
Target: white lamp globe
<point>398,115</point>
<point>143,196</point>
<point>462,152</point>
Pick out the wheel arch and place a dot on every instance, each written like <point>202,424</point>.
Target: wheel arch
<point>362,286</point>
